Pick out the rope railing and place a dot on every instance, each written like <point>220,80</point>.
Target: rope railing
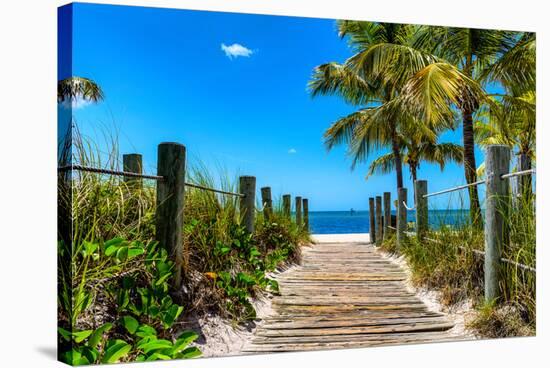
<point>476,251</point>
<point>493,221</point>
<point>460,187</point>
<point>409,208</point>
<point>453,189</point>
<point>96,170</point>
<point>518,173</point>
<point>201,187</point>
<point>170,192</point>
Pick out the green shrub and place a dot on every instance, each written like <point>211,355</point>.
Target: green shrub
<point>111,272</point>
<point>449,259</point>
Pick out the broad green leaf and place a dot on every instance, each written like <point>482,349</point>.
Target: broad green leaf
<point>185,339</point>
<point>145,341</point>
<point>145,330</point>
<point>154,311</point>
<point>191,353</point>
<point>123,299</point>
<point>96,336</point>
<point>163,267</point>
<point>156,345</point>
<point>74,357</point>
<point>134,252</point>
<point>80,336</point>
<point>171,315</point>
<point>130,324</point>
<point>122,253</point>
<point>117,350</point>
<point>166,302</point>
<point>89,248</point>
<point>114,241</point>
<point>109,251</point>
<point>67,336</point>
<point>157,356</point>
<point>163,279</point>
<point>91,354</point>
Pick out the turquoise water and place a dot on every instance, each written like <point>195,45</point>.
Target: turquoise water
<point>345,222</point>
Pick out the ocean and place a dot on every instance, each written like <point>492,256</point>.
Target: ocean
<point>346,222</point>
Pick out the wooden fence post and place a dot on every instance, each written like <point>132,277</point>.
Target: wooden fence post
<point>133,162</point>
<point>497,163</point>
<point>387,214</point>
<point>379,225</point>
<point>286,205</point>
<point>372,223</point>
<point>299,211</point>
<point>247,202</point>
<point>305,207</point>
<point>421,189</point>
<point>170,202</point>
<point>401,216</point>
<point>267,203</point>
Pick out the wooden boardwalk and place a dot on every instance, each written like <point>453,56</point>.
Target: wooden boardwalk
<point>346,295</point>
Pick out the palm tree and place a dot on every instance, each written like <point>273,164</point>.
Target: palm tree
<point>73,87</point>
<point>363,80</point>
<point>414,152</point>
<point>473,55</point>
<point>511,118</point>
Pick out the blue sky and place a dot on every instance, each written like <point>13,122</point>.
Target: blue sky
<point>232,88</point>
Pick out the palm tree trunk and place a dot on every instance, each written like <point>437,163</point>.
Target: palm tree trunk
<point>397,157</point>
<point>413,168</point>
<point>524,183</point>
<point>470,165</point>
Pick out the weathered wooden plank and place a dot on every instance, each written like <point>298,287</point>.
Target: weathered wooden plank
<point>376,329</point>
<point>347,342</point>
<point>355,322</point>
<point>346,296</point>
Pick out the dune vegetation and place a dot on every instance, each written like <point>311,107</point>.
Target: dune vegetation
<point>115,297</point>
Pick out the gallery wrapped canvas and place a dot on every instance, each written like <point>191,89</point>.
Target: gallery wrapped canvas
<point>235,184</point>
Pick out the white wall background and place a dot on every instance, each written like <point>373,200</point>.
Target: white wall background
<point>28,180</point>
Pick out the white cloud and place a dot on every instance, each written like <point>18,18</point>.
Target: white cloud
<point>75,103</point>
<point>236,50</point>
<point>292,151</point>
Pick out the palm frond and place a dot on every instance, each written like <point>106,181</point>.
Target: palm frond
<point>384,164</point>
<point>74,87</point>
<point>517,66</point>
<point>373,132</point>
<point>445,152</point>
<point>337,79</point>
<point>433,91</point>
<point>391,63</point>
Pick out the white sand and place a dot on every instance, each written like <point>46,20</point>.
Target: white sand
<point>459,314</point>
<point>220,337</point>
<point>341,238</point>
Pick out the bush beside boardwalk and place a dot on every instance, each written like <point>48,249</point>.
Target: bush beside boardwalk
<point>115,302</point>
<point>448,262</point>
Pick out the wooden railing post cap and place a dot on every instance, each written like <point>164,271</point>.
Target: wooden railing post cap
<point>171,144</point>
